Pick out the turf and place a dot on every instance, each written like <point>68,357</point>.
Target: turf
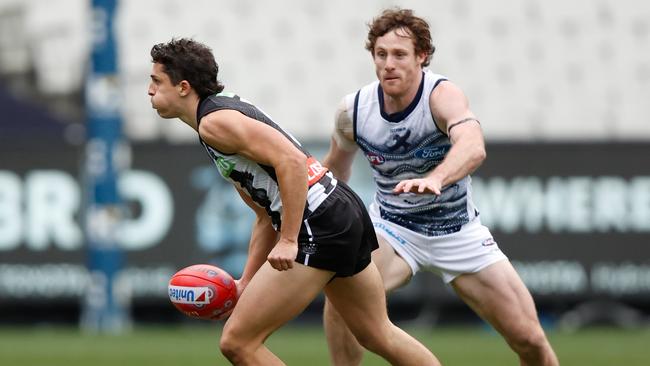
<point>298,345</point>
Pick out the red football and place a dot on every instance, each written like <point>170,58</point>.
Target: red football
<point>203,291</point>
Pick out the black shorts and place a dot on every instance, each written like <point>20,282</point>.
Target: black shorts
<point>339,235</point>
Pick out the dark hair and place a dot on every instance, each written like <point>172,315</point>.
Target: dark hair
<point>396,18</point>
<point>186,59</point>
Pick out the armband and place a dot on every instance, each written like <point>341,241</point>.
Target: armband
<point>461,121</point>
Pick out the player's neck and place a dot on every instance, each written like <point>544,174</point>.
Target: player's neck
<point>188,112</point>
<point>398,102</point>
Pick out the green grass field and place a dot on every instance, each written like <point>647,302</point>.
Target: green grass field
<point>298,345</point>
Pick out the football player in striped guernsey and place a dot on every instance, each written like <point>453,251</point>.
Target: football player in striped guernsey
<point>423,142</point>
<point>311,232</point>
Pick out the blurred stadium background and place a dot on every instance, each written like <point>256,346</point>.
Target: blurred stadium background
<point>561,88</point>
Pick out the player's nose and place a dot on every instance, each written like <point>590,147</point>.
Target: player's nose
<point>390,64</point>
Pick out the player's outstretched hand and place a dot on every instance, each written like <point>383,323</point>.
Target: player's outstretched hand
<point>420,185</point>
<point>283,254</point>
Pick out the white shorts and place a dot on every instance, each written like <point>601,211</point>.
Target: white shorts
<point>467,251</point>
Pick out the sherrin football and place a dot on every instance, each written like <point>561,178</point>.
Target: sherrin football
<point>203,291</point>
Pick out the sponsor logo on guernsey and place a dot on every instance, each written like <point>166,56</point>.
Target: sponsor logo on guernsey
<point>315,170</point>
<point>225,166</point>
<point>375,159</point>
<point>430,153</point>
<point>190,295</point>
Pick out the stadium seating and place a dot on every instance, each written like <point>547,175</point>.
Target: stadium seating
<point>533,70</point>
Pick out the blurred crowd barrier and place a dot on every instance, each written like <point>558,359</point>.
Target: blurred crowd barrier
<point>573,218</point>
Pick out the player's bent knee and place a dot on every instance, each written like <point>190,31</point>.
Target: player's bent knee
<point>231,346</point>
<point>373,341</point>
<point>372,344</point>
<point>530,342</point>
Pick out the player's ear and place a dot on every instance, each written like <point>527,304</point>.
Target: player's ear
<point>184,88</point>
<point>421,57</point>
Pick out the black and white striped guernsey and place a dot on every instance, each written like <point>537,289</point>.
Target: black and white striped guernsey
<point>257,180</point>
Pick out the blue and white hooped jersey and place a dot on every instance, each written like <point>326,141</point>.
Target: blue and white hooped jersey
<point>408,145</point>
<point>257,180</point>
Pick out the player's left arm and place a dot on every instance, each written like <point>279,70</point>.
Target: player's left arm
<point>232,132</point>
<point>450,109</point>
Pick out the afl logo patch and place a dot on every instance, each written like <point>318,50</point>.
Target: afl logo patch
<point>375,159</point>
<point>488,242</point>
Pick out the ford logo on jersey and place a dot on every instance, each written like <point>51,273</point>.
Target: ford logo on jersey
<point>431,152</point>
<point>375,159</point>
<point>190,295</point>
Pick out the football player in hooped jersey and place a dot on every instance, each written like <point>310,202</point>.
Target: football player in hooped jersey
<point>422,142</point>
<point>311,231</point>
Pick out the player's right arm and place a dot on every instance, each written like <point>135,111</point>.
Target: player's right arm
<point>263,239</point>
<point>340,156</point>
